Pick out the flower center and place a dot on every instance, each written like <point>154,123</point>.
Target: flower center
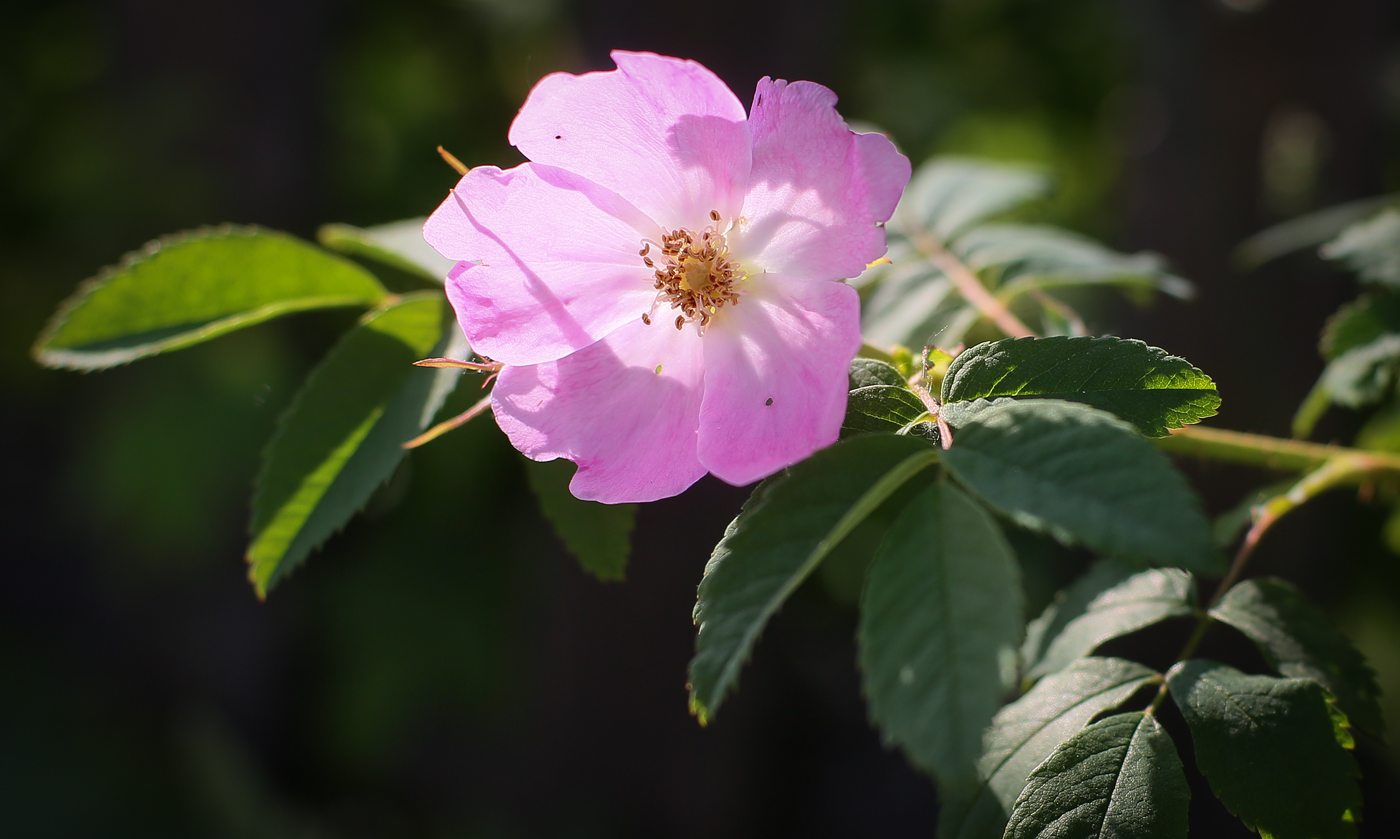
<point>694,273</point>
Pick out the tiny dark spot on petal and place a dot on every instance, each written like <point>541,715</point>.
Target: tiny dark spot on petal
<point>760,102</point>
<point>769,402</point>
<point>558,136</point>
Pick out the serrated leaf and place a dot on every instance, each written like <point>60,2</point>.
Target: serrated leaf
<point>1139,601</point>
<point>1068,604</point>
<point>1025,732</point>
<point>598,535</point>
<point>399,244</point>
<point>1364,375</point>
<point>1299,640</point>
<point>786,528</point>
<point>1268,749</point>
<point>342,435</point>
<point>1120,778</point>
<point>1371,248</point>
<point>939,620</point>
<point>1083,476</point>
<point>1306,231</point>
<point>1144,385</point>
<point>887,409</point>
<point>865,372</point>
<point>948,194</point>
<point>184,289</point>
<point>1023,257</point>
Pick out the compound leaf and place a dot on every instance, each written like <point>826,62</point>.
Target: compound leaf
<point>1025,257</point>
<point>184,289</point>
<point>939,621</point>
<point>790,523</point>
<point>949,194</point>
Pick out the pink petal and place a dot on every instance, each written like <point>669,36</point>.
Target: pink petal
<point>776,375</point>
<point>630,428</point>
<point>665,134</point>
<point>551,261</point>
<point>817,190</point>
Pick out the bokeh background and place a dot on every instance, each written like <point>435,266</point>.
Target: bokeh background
<point>441,668</point>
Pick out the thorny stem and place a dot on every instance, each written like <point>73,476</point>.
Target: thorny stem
<point>971,288</point>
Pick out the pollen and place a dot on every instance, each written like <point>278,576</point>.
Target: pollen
<point>695,273</point>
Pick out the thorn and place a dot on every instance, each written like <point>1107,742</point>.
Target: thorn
<point>453,161</point>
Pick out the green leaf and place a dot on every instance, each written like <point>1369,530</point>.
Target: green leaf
<point>914,304</point>
<point>1371,248</point>
<point>1268,748</point>
<point>868,371</point>
<point>1359,323</point>
<point>1306,231</point>
<point>1381,433</point>
<point>1025,732</point>
<point>1024,257</point>
<point>1083,476</point>
<point>889,409</point>
<point>188,288</point>
<point>398,245</point>
<point>938,626</point>
<point>1365,375</point>
<point>1139,601</point>
<point>598,535</point>
<point>1154,391</point>
<point>949,194</point>
<point>342,435</point>
<point>1120,778</point>
<point>1299,640</point>
<point>787,526</point>
<point>1068,604</point>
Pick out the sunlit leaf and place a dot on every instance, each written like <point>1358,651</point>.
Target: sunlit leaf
<point>1268,748</point>
<point>790,523</point>
<point>1144,385</point>
<point>598,535</point>
<point>1299,640</point>
<point>1364,375</point>
<point>398,244</point>
<point>868,371</point>
<point>1120,778</point>
<point>342,435</point>
<point>185,289</point>
<point>938,624</point>
<point>1083,476</point>
<point>1371,248</point>
<point>1306,231</point>
<point>882,409</point>
<point>1025,732</point>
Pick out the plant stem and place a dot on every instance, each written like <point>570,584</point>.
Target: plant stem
<point>971,288</point>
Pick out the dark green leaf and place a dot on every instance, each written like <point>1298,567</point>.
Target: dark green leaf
<point>599,535</point>
<point>1024,257</point>
<point>947,195</point>
<point>1081,475</point>
<point>1381,433</point>
<point>938,624</point>
<point>885,409</point>
<point>1306,231</point>
<point>1360,322</point>
<point>1069,604</point>
<point>1120,778</point>
<point>868,371</point>
<point>188,288</point>
<point>1139,601</point>
<point>1154,391</point>
<point>1025,732</point>
<point>398,244</point>
<point>1299,640</point>
<point>341,438</point>
<point>1268,748</point>
<point>787,526</point>
<point>1371,248</point>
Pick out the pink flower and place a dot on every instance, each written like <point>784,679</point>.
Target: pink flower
<point>662,279</point>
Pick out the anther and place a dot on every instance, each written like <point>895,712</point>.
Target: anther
<point>646,318</point>
<point>680,321</point>
<point>714,215</point>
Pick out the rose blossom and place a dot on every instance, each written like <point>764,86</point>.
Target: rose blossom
<point>662,279</point>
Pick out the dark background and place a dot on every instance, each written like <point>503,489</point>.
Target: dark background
<point>442,669</point>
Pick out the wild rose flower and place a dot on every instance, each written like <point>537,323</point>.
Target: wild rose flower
<point>662,279</point>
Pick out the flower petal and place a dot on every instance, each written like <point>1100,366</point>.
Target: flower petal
<point>665,134</point>
<point>817,190</point>
<point>625,410</point>
<point>551,261</point>
<point>776,375</point>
